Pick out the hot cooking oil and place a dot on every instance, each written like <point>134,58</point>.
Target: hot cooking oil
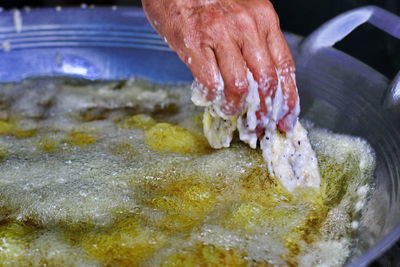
<point>120,174</point>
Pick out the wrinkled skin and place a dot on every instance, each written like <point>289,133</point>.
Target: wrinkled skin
<point>223,37</point>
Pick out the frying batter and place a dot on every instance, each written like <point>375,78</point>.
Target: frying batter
<point>119,174</point>
<point>289,156</point>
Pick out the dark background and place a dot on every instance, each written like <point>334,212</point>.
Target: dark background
<point>370,45</point>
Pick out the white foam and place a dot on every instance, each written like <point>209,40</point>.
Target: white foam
<point>76,187</point>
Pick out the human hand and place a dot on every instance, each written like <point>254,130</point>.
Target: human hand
<point>222,38</point>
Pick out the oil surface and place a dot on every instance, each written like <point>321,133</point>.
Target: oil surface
<point>120,174</point>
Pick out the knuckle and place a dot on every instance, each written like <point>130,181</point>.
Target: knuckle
<point>211,77</point>
<point>272,75</point>
<point>268,80</point>
<point>201,45</point>
<point>238,86</point>
<point>287,65</point>
<point>247,30</point>
<point>197,44</point>
<point>267,12</point>
<point>206,81</point>
<point>210,85</point>
<point>273,83</point>
<point>273,20</point>
<point>244,18</point>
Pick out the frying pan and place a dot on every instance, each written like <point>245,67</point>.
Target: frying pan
<point>337,91</point>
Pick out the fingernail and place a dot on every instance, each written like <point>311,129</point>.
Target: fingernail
<point>289,121</point>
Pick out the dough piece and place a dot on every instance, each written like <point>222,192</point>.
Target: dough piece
<point>290,157</point>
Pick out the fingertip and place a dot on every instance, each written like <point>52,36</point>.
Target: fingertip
<point>287,81</point>
<point>289,120</point>
<point>260,130</point>
<point>235,95</point>
<point>284,126</point>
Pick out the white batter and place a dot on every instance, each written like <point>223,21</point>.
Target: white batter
<point>289,156</point>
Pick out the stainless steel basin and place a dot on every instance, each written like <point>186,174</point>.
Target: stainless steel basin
<point>337,91</point>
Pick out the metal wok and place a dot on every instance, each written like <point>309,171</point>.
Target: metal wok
<point>337,91</point>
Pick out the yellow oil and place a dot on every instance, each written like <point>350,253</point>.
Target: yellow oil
<point>3,152</point>
<point>9,128</point>
<point>47,144</point>
<point>206,255</point>
<point>5,127</point>
<point>14,243</point>
<point>127,243</point>
<point>184,203</point>
<point>105,187</point>
<point>140,121</point>
<point>165,137</point>
<point>80,138</point>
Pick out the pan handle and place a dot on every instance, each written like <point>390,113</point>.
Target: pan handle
<point>391,99</point>
<point>339,27</point>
